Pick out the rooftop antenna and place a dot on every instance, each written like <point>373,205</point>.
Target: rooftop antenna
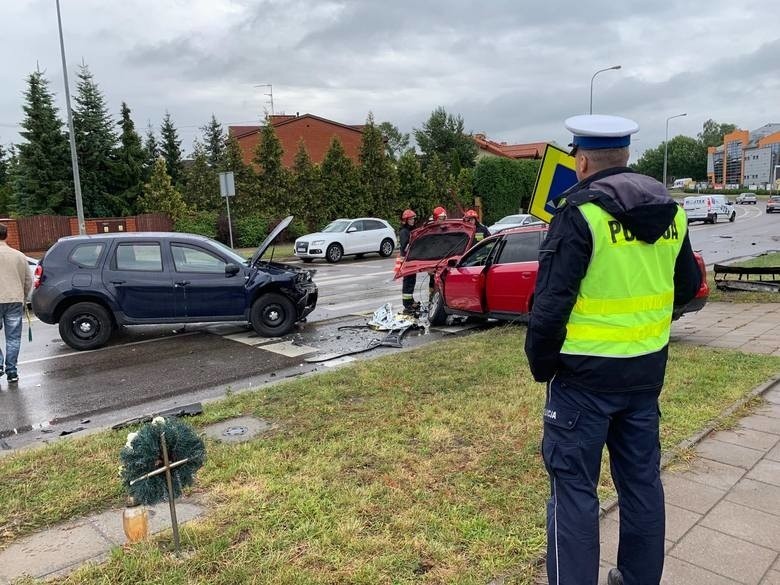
<point>270,93</point>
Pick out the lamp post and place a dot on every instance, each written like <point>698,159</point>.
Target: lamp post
<point>591,83</point>
<point>73,156</point>
<point>666,142</point>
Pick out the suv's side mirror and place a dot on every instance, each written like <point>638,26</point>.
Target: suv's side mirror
<point>452,262</point>
<point>351,229</point>
<point>232,269</point>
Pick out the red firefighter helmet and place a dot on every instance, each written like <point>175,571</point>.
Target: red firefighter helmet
<point>408,214</point>
<point>439,211</point>
<point>470,213</point>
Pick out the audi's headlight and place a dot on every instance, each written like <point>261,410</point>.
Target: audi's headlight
<point>318,242</point>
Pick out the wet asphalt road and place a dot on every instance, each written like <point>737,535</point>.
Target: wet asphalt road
<point>151,368</point>
<point>754,231</point>
<point>147,369</point>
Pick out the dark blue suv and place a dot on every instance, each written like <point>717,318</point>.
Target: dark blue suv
<point>91,284</point>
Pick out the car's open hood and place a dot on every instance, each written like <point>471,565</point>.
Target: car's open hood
<point>269,240</point>
<point>433,243</point>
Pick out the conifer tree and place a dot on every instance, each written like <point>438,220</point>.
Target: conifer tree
<point>243,175</point>
<point>160,196</point>
<point>340,183</point>
<point>413,192</point>
<point>95,144</point>
<point>130,159</point>
<point>43,179</point>
<point>201,191</point>
<point>377,174</point>
<point>5,183</point>
<point>438,180</point>
<point>170,148</point>
<point>214,141</point>
<point>151,151</point>
<point>273,180</point>
<point>306,192</point>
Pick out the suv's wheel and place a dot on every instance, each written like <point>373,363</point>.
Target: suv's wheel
<point>436,313</point>
<point>733,216</point>
<point>86,326</point>
<point>386,248</point>
<point>334,253</point>
<point>272,315</point>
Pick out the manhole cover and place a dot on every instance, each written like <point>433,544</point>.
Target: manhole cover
<point>235,431</point>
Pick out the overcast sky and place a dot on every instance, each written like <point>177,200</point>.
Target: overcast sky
<point>514,70</point>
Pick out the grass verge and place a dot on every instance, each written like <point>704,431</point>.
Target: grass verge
<point>422,467</point>
<point>735,296</point>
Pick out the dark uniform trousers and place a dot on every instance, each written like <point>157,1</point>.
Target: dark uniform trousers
<point>577,425</point>
<point>407,290</point>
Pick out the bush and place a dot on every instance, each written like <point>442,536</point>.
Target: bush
<point>505,185</point>
<point>251,230</point>
<point>203,223</point>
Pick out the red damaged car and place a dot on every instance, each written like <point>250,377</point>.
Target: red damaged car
<point>493,279</point>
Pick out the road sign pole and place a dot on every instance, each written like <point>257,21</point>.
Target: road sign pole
<point>230,224</point>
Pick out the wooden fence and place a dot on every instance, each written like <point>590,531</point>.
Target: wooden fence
<point>41,231</point>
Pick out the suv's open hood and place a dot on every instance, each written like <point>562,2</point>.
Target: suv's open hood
<point>269,240</point>
<point>433,243</point>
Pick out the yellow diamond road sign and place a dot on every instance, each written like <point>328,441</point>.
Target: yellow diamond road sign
<point>556,174</point>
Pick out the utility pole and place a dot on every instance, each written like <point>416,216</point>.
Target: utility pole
<point>74,159</point>
<point>666,142</point>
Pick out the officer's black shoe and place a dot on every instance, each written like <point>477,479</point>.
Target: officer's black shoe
<point>615,577</point>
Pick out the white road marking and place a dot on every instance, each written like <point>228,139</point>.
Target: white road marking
<point>377,302</point>
<point>288,349</point>
<point>350,277</point>
<point>250,338</point>
<point>339,361</point>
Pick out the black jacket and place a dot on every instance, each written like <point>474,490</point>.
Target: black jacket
<point>403,239</point>
<point>644,207</point>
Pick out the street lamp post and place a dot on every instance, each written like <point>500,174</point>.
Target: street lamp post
<point>591,83</point>
<point>73,156</point>
<point>666,142</point>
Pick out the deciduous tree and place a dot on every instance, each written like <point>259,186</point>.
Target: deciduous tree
<point>444,135</point>
<point>396,142</point>
<point>160,196</point>
<point>712,133</point>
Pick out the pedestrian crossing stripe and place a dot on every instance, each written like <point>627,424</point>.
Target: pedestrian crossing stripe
<point>556,174</point>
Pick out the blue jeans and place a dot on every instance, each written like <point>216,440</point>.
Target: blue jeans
<point>11,320</point>
<point>577,425</point>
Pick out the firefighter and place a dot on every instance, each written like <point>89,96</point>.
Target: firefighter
<point>482,231</point>
<point>615,262</point>
<point>408,219</point>
<point>439,214</point>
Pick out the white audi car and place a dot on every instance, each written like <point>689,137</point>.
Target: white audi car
<point>347,237</point>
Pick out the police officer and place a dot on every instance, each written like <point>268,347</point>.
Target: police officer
<point>408,219</point>
<point>482,232</point>
<point>615,263</point>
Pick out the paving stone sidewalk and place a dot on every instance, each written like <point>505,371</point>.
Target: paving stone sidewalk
<point>62,549</point>
<point>723,512</point>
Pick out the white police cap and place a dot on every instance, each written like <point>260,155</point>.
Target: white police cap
<point>595,131</point>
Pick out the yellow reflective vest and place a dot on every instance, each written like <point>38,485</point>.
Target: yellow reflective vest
<point>624,306</point>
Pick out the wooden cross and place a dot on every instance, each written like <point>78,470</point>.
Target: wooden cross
<point>166,469</point>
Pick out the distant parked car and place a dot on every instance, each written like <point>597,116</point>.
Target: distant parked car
<point>496,277</point>
<point>513,221</point>
<point>745,198</point>
<point>773,204</point>
<point>89,285</point>
<point>346,237</point>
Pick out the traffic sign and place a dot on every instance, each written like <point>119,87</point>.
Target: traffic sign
<point>556,174</point>
<point>227,185</point>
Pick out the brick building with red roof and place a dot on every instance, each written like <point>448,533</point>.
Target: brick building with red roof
<point>487,147</point>
<point>316,133</point>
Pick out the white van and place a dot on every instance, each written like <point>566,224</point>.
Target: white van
<point>682,183</point>
<point>708,208</point>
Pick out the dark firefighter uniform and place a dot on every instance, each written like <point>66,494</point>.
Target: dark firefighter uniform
<point>615,262</point>
<point>481,233</point>
<point>407,283</point>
